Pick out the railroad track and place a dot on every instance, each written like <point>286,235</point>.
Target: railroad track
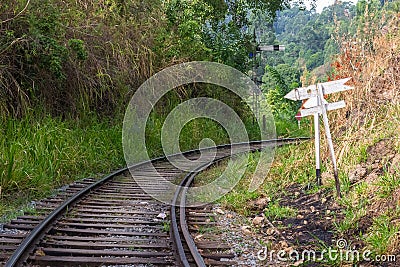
<point>114,222</point>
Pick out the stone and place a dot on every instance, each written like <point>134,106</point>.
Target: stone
<point>263,202</point>
<point>283,244</point>
<point>162,215</point>
<point>219,211</point>
<point>395,166</point>
<point>246,230</point>
<point>357,174</point>
<point>258,220</point>
<point>270,231</point>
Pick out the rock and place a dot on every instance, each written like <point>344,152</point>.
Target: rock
<point>395,166</point>
<point>162,215</point>
<point>300,217</point>
<point>328,212</point>
<point>246,230</point>
<point>334,205</point>
<point>40,253</point>
<point>312,208</point>
<point>289,250</point>
<point>357,174</point>
<point>283,244</point>
<point>305,222</point>
<point>219,211</point>
<point>263,202</point>
<point>258,220</point>
<point>396,222</point>
<point>375,166</point>
<point>270,231</point>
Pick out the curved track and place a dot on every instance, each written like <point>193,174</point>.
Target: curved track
<point>114,222</point>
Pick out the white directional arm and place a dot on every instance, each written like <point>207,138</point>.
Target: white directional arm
<point>312,91</point>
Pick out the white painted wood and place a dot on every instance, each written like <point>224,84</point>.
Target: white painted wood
<point>336,86</point>
<point>316,105</point>
<point>312,90</point>
<point>318,109</point>
<point>329,138</point>
<point>327,128</point>
<point>313,102</point>
<point>317,142</point>
<point>302,93</point>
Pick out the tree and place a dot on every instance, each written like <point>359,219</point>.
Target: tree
<point>277,83</point>
<point>220,30</point>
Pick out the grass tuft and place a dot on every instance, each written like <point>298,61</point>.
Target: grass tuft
<point>40,155</point>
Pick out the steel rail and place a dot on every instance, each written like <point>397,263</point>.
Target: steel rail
<point>182,192</point>
<point>182,213</point>
<point>21,254</point>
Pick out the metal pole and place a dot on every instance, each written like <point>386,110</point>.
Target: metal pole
<point>264,124</point>
<point>255,73</point>
<point>257,107</point>
<point>254,107</point>
<point>317,148</point>
<point>329,139</point>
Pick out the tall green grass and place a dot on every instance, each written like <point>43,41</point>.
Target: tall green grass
<point>37,155</point>
<point>40,154</point>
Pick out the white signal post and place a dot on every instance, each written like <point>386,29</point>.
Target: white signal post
<point>271,48</point>
<point>258,49</point>
<point>316,105</point>
<point>317,149</point>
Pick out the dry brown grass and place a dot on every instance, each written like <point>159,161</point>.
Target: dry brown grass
<point>372,117</point>
<point>372,58</point>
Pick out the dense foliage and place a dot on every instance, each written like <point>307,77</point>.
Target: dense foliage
<point>68,68</point>
<point>75,57</point>
<point>312,42</point>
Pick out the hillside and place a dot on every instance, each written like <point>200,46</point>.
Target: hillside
<point>290,212</point>
<point>366,138</point>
